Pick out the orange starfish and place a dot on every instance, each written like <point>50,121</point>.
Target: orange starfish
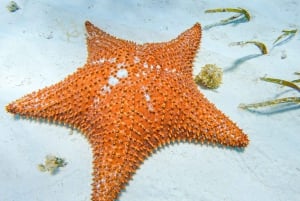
<point>130,99</point>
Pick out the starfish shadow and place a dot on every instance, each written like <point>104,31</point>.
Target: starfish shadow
<point>240,61</point>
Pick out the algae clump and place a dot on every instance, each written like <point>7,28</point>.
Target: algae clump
<point>52,163</point>
<point>210,76</point>
<point>12,6</point>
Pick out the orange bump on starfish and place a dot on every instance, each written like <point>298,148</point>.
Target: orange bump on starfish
<point>129,99</point>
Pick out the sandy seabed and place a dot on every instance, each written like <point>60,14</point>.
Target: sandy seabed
<point>44,41</point>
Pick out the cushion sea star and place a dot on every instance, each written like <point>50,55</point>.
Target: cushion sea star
<point>128,100</point>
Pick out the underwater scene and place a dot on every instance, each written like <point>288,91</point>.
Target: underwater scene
<point>152,100</point>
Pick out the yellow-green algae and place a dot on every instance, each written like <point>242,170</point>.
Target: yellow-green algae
<point>52,163</point>
<point>12,6</point>
<point>210,76</point>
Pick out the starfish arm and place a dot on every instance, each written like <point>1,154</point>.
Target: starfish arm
<point>106,45</point>
<point>67,101</point>
<point>178,53</point>
<point>194,118</point>
<point>188,117</point>
<point>44,103</point>
<point>210,124</point>
<point>116,158</point>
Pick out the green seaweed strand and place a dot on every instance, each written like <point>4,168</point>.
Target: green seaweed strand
<point>286,33</point>
<point>271,102</point>
<point>263,48</point>
<point>282,82</point>
<point>242,11</point>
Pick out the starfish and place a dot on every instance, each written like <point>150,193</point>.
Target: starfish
<point>128,100</point>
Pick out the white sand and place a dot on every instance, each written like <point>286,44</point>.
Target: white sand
<point>44,41</point>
